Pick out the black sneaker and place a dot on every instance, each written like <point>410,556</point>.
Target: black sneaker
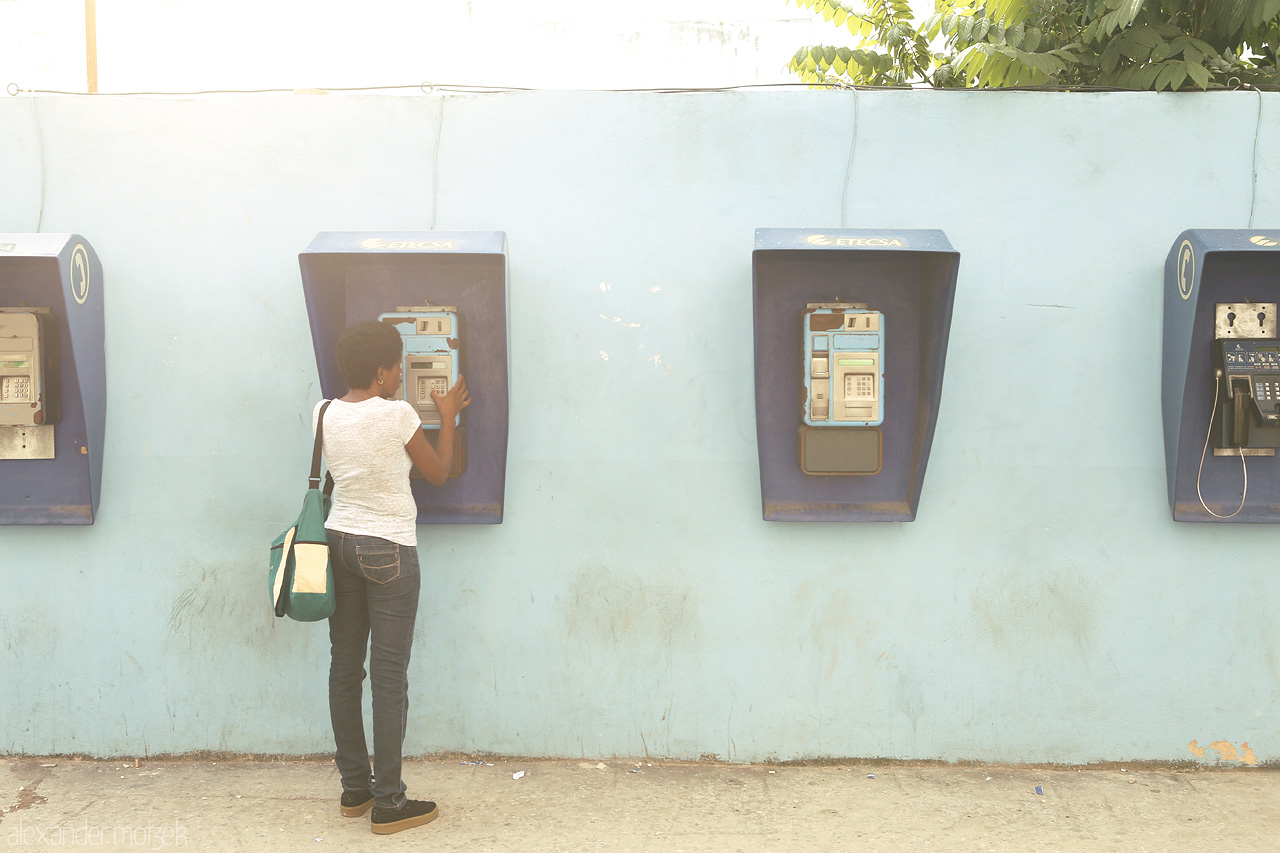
<point>356,803</point>
<point>412,813</point>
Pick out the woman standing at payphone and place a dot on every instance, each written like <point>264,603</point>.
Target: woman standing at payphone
<point>370,441</point>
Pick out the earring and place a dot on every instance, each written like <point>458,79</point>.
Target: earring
<point>379,381</point>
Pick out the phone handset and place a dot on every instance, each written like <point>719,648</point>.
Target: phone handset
<point>1217,379</point>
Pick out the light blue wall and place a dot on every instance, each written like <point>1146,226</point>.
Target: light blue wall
<point>1043,607</point>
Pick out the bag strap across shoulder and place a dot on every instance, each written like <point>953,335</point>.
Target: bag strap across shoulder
<point>313,482</point>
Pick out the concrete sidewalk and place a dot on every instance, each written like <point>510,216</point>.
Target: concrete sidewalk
<point>641,806</point>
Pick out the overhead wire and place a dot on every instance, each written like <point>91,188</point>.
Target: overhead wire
<point>428,87</point>
<point>435,164</point>
<point>1257,132</point>
<point>848,168</point>
<point>35,118</point>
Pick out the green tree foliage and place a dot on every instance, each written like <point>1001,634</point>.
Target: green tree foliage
<point>1123,44</point>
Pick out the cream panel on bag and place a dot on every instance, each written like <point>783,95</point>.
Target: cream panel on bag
<point>284,562</point>
<point>310,572</point>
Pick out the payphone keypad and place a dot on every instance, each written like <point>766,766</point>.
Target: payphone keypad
<point>427,384</point>
<point>859,386</point>
<point>15,389</point>
<point>431,374</point>
<point>1266,394</point>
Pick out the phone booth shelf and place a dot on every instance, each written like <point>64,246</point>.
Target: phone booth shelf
<point>869,464</point>
<point>348,277</point>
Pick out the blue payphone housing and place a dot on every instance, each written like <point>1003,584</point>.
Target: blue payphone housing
<point>880,304</point>
<point>53,380</point>
<point>1220,390</point>
<point>446,292</point>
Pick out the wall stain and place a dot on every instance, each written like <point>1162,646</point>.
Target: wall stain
<point>1028,614</point>
<point>222,606</point>
<point>626,631</point>
<point>31,633</point>
<point>834,630</point>
<point>611,607</point>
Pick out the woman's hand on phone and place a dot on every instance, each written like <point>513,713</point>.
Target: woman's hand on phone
<point>450,404</point>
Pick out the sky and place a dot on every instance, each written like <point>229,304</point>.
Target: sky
<point>190,45</point>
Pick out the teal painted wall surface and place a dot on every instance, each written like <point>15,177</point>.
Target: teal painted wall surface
<point>1043,606</point>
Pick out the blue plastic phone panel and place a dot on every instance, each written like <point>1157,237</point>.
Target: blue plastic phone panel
<point>420,345</point>
<point>851,344</point>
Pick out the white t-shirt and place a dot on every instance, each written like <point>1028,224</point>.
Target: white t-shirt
<point>364,449</point>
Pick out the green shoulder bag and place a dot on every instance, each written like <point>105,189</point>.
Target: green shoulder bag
<point>301,573</point>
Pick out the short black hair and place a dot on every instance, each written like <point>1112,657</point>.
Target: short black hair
<point>363,348</point>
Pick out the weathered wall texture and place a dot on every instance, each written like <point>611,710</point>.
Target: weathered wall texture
<point>1043,607</point>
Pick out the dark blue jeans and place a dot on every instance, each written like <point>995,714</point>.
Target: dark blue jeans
<point>377,585</point>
